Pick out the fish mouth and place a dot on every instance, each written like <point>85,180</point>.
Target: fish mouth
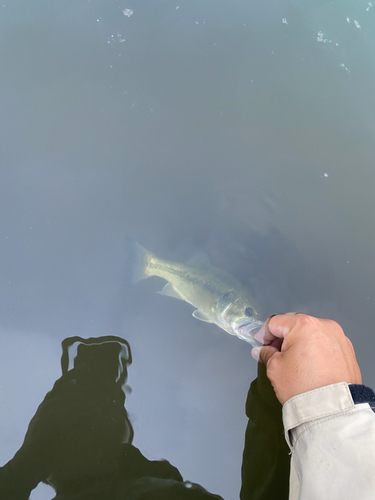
<point>248,325</point>
<point>246,331</point>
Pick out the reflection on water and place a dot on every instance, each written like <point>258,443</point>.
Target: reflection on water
<point>80,439</point>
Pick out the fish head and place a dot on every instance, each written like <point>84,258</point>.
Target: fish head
<point>237,313</point>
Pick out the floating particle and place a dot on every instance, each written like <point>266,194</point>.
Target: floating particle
<point>345,67</point>
<point>320,38</point>
<point>128,12</point>
<point>357,25</point>
<point>284,21</point>
<point>325,174</point>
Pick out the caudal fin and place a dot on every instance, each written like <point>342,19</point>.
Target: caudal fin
<point>136,261</point>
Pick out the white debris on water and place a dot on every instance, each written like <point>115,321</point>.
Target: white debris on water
<point>345,67</point>
<point>320,38</point>
<point>356,23</point>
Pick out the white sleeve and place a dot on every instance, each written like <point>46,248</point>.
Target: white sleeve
<point>333,445</point>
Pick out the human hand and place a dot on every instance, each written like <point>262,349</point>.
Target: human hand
<point>303,353</point>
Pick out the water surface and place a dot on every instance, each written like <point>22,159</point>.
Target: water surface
<point>240,131</point>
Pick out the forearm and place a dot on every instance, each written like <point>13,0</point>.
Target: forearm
<point>333,445</point>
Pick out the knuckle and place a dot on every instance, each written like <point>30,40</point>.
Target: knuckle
<point>350,345</point>
<point>335,328</point>
<point>328,325</point>
<point>307,321</point>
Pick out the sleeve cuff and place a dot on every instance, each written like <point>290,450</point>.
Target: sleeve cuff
<point>312,405</point>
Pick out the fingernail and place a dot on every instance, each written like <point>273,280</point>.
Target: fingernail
<point>255,353</point>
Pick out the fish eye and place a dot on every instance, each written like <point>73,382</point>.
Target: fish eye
<point>249,311</point>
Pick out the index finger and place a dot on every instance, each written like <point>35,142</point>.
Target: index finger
<point>276,327</point>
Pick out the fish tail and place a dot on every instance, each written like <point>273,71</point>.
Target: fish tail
<point>137,261</point>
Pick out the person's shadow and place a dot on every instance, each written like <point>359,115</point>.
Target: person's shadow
<point>80,439</point>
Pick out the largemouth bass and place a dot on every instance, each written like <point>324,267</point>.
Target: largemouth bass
<point>218,296</point>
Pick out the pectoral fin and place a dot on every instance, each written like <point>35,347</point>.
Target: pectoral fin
<point>170,291</point>
<point>201,316</point>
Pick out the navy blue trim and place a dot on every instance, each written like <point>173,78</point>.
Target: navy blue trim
<point>362,394</point>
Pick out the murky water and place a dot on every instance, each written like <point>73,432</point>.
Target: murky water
<point>240,132</point>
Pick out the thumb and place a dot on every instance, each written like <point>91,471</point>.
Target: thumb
<point>264,353</point>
